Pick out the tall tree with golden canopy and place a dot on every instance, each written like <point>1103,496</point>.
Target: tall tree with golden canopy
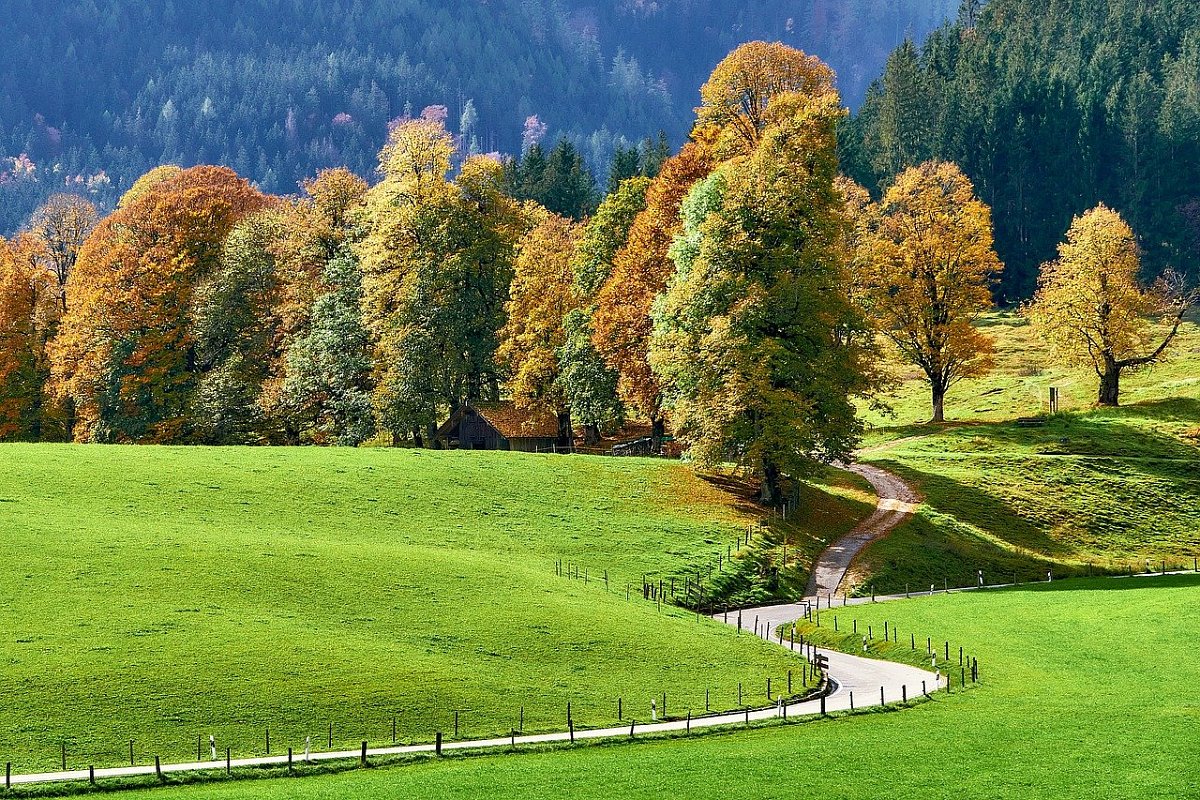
<point>925,269</point>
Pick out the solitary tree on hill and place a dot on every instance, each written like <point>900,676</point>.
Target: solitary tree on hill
<point>1093,312</point>
<point>926,265</point>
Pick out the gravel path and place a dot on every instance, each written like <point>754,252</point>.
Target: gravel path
<point>897,501</point>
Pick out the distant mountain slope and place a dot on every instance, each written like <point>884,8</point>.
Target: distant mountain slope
<point>95,93</point>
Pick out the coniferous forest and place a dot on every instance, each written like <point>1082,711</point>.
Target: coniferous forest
<point>92,95</point>
<point>1050,108</point>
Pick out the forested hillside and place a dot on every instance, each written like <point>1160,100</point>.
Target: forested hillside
<point>94,94</point>
<point>1051,108</point>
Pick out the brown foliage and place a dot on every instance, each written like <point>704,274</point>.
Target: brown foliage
<point>640,272</point>
<point>124,350</point>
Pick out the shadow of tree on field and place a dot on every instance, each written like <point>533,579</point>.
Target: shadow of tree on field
<point>982,509</point>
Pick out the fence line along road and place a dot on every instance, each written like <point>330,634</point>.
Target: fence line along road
<point>853,682</point>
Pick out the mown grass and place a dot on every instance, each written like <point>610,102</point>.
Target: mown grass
<point>158,595</point>
<point>1092,489</point>
<point>1087,690</point>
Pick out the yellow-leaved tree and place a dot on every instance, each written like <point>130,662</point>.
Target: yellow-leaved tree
<point>925,267</point>
<point>1091,309</point>
<point>542,295</point>
<point>736,99</point>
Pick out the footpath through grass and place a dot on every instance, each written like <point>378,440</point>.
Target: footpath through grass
<point>159,595</point>
<point>1090,489</point>
<point>1089,689</point>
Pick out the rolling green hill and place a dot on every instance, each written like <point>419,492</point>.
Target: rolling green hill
<point>1086,692</point>
<point>160,594</point>
<point>1091,489</point>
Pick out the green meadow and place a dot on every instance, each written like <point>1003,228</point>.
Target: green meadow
<point>1088,490</point>
<point>1087,690</point>
<point>161,594</point>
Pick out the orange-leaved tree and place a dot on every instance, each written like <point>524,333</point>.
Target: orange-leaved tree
<point>926,266</point>
<point>28,311</point>
<point>124,353</point>
<point>621,320</point>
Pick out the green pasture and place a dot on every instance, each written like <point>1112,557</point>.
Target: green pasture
<point>159,595</point>
<point>1083,491</point>
<point>1087,690</point>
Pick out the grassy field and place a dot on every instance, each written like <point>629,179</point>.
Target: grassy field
<point>1091,489</point>
<point>159,594</point>
<point>1088,690</point>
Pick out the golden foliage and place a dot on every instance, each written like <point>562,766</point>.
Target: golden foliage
<point>926,265</point>
<point>542,294</point>
<point>124,348</point>
<point>1091,309</point>
<point>738,96</point>
<point>28,313</point>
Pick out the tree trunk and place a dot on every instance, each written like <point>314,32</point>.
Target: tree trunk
<point>416,438</point>
<point>1110,384</point>
<point>591,434</point>
<point>658,429</point>
<point>566,433</point>
<point>939,403</point>
<point>771,494</point>
<point>431,436</point>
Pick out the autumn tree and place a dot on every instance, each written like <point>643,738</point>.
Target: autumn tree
<point>542,295</point>
<point>640,270</point>
<point>61,226</point>
<point>1092,310</point>
<point>589,384</point>
<point>737,96</point>
<point>328,373</point>
<point>125,351</point>
<point>259,304</point>
<point>606,233</point>
<point>926,267</point>
<point>437,262</point>
<point>28,311</point>
<point>237,332</point>
<point>755,339</point>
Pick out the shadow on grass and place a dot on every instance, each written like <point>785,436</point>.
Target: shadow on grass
<point>982,509</point>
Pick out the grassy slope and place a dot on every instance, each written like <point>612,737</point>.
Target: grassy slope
<point>158,594</point>
<point>1093,487</point>
<point>1089,691</point>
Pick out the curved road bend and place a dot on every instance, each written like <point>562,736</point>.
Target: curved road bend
<point>897,502</point>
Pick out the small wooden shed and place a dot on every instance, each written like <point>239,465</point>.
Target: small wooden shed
<point>499,426</point>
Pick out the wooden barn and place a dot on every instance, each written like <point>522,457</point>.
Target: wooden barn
<point>499,426</point>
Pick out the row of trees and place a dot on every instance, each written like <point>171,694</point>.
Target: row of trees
<point>924,268</point>
<point>742,293</point>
